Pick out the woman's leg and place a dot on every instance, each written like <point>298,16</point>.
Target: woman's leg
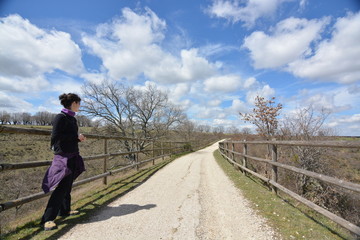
<point>57,197</point>
<point>66,203</point>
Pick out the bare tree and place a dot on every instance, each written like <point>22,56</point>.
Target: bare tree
<point>218,130</point>
<point>44,118</point>
<point>16,118</point>
<point>26,118</point>
<point>232,130</point>
<point>4,117</point>
<point>306,124</point>
<point>246,131</point>
<point>106,102</point>
<point>131,112</point>
<point>264,116</point>
<point>186,129</point>
<point>204,128</point>
<point>153,112</point>
<point>83,121</point>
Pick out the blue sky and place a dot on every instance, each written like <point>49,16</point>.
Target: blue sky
<point>212,57</point>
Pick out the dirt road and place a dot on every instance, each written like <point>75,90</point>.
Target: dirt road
<point>191,198</point>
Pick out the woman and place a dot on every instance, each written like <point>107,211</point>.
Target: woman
<point>67,164</point>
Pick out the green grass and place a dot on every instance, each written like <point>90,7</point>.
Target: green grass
<point>88,205</point>
<point>290,219</point>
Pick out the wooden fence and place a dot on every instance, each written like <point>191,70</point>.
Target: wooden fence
<point>166,149</point>
<point>227,150</point>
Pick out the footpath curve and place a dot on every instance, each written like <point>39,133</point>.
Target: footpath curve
<point>190,198</point>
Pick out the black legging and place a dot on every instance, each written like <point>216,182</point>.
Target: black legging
<point>60,200</point>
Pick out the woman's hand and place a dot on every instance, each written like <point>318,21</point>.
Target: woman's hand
<point>81,137</point>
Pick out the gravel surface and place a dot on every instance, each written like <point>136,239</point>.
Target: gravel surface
<point>190,198</point>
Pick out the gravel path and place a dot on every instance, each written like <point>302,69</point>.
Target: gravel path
<point>190,198</point>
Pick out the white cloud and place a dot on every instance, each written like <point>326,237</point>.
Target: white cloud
<point>250,82</point>
<point>127,45</point>
<point>234,11</point>
<point>135,30</point>
<point>120,61</point>
<point>190,67</point>
<point>335,99</point>
<point>290,40</point>
<point>216,49</point>
<point>225,83</point>
<point>346,125</point>
<point>27,51</point>
<point>239,106</point>
<point>97,77</point>
<point>303,4</point>
<point>179,91</point>
<point>336,59</point>
<point>130,46</point>
<point>352,119</point>
<point>320,101</point>
<point>339,100</point>
<point>290,46</point>
<point>67,85</point>
<point>23,84</point>
<point>223,122</point>
<point>265,91</point>
<point>354,89</point>
<point>214,103</point>
<point>203,112</point>
<point>13,104</point>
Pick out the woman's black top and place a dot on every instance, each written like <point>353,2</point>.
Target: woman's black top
<point>64,136</point>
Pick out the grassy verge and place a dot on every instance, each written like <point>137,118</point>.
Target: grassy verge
<point>290,219</point>
<point>89,205</point>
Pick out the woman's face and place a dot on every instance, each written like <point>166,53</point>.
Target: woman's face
<point>75,106</point>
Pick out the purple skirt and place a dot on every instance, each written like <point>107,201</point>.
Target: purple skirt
<point>59,169</point>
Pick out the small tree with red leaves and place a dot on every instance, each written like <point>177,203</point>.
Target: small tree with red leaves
<point>264,116</point>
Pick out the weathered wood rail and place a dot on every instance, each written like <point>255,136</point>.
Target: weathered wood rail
<point>166,149</point>
<point>227,150</point>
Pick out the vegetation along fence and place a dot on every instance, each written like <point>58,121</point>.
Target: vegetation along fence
<point>152,149</point>
<point>227,149</point>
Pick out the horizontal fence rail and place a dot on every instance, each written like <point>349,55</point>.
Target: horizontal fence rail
<point>168,148</point>
<point>340,183</point>
<point>13,166</point>
<point>35,131</point>
<point>337,144</point>
<point>226,149</point>
<point>30,198</point>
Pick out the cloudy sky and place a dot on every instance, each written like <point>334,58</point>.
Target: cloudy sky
<point>213,57</point>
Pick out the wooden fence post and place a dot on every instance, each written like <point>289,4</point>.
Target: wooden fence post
<point>227,149</point>
<point>244,158</point>
<point>233,154</point>
<point>162,150</point>
<point>105,160</point>
<point>274,175</point>
<point>137,155</point>
<point>153,152</point>
<point>171,151</point>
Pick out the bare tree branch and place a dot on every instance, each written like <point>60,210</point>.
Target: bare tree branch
<point>140,113</point>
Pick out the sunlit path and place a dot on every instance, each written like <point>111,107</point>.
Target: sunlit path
<point>191,198</point>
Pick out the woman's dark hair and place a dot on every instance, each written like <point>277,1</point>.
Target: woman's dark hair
<point>67,99</point>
